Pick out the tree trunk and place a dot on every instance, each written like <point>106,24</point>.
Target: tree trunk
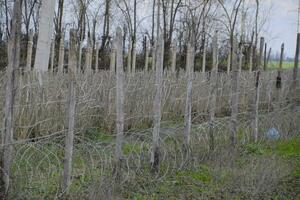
<point>204,57</point>
<point>129,58</point>
<point>61,55</point>
<point>133,58</point>
<point>146,67</point>
<point>173,58</point>
<point>45,35</point>
<point>52,54</point>
<point>97,56</point>
<point>29,52</point>
<point>88,59</point>
<point>113,59</point>
<point>251,59</point>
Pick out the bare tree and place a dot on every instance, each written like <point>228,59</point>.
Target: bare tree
<point>231,17</point>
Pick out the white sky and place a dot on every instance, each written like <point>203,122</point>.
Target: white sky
<point>282,26</point>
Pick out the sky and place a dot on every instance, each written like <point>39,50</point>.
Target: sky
<point>282,26</point>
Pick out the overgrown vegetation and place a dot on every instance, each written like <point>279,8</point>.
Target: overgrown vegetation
<point>265,170</point>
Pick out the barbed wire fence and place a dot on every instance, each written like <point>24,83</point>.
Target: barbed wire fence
<point>70,132</point>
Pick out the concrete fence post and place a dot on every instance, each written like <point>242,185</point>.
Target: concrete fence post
<point>256,107</point>
<point>112,62</point>
<point>119,102</point>
<point>69,138</point>
<point>234,95</point>
<point>213,92</point>
<point>159,57</point>
<point>13,66</point>
<point>188,103</point>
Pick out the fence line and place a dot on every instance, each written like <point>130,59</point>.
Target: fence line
<point>146,98</point>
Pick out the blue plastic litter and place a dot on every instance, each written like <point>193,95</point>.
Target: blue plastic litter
<point>273,134</point>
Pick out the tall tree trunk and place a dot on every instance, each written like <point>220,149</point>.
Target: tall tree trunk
<point>113,58</point>
<point>173,58</point>
<point>61,54</point>
<point>29,52</point>
<point>106,26</point>
<point>45,35</point>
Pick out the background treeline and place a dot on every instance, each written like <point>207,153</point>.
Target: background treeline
<point>180,21</point>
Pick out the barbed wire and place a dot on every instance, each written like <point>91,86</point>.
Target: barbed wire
<point>40,125</point>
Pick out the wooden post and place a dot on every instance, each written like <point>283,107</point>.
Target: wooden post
<point>228,62</point>
<point>188,104</point>
<point>265,57</point>
<point>129,58</point>
<point>69,139</point>
<point>29,51</point>
<point>153,57</point>
<point>268,57</point>
<point>52,56</point>
<point>133,58</point>
<point>251,59</point>
<point>146,67</point>
<point>296,63</point>
<point>119,102</point>
<point>278,81</point>
<point>204,57</point>
<point>13,65</point>
<point>173,58</point>
<point>213,90</point>
<point>79,59</point>
<point>234,95</point>
<point>242,39</point>
<point>256,107</point>
<point>113,58</point>
<point>61,56</point>
<point>157,103</point>
<point>88,59</point>
<point>261,51</point>
<point>97,56</point>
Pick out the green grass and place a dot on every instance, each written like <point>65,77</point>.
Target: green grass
<point>285,65</point>
<point>216,177</point>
